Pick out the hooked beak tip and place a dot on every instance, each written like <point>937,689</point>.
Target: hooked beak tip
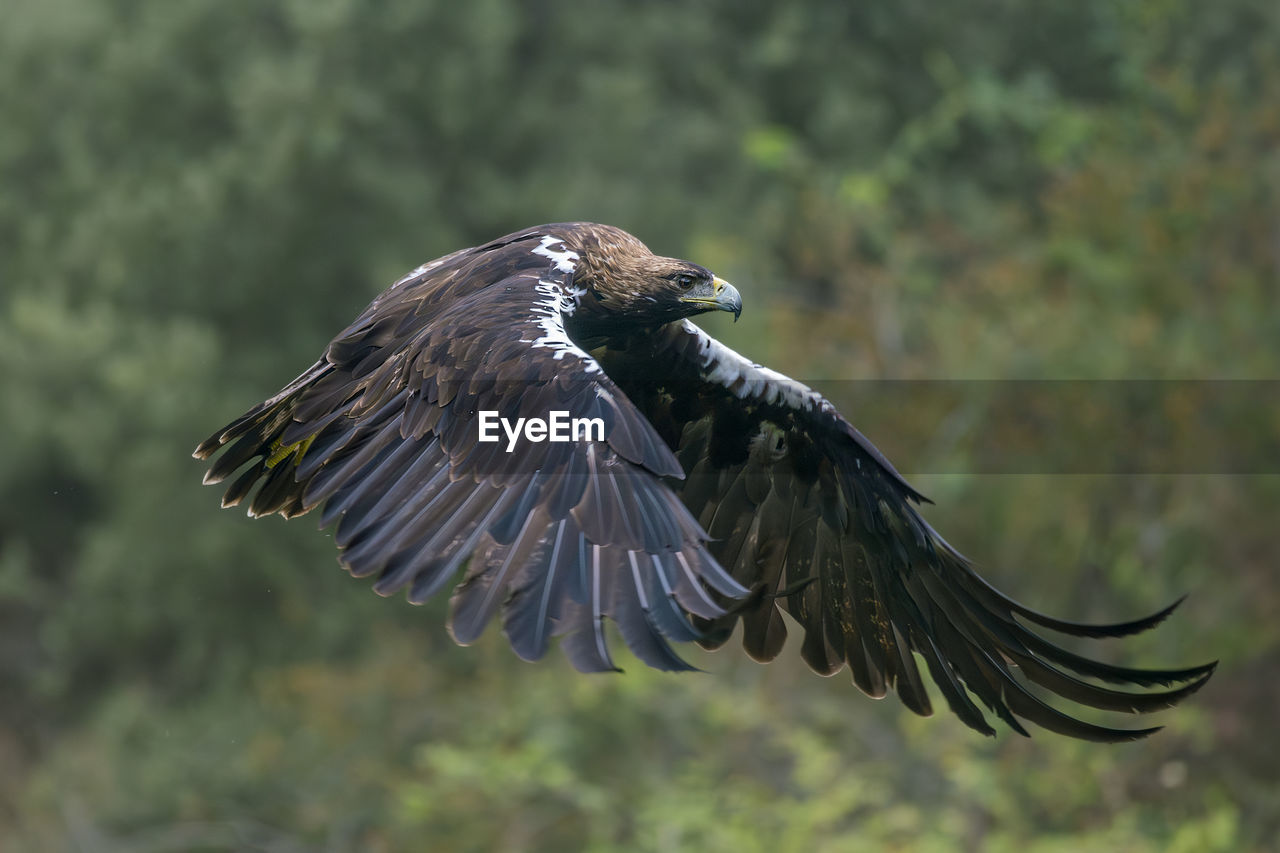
<point>727,297</point>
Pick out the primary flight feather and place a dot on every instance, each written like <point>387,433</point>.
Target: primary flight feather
<point>716,491</point>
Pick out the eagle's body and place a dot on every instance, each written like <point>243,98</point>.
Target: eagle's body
<point>720,491</point>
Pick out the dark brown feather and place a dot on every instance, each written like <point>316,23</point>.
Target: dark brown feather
<point>720,492</point>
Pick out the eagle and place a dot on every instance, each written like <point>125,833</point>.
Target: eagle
<point>711,491</point>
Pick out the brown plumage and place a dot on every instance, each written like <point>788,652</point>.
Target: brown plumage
<point>720,492</point>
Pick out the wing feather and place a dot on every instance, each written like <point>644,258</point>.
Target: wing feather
<point>802,508</point>
<point>382,434</point>
<point>786,508</point>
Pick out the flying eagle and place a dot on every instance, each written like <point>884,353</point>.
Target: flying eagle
<point>713,491</point>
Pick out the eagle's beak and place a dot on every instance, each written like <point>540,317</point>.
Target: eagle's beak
<point>723,296</point>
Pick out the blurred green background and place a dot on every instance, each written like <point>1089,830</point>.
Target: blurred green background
<point>196,194</point>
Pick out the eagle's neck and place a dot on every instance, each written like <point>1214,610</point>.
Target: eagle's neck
<point>590,327</point>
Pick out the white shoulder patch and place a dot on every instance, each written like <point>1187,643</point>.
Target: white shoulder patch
<point>549,313</point>
<point>745,378</point>
<point>563,259</point>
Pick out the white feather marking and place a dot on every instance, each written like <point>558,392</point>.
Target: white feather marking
<point>548,313</point>
<point>563,259</point>
<point>745,378</point>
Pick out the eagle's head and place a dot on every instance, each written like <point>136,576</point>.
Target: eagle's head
<point>626,282</point>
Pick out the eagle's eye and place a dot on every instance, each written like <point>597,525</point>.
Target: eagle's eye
<point>686,280</point>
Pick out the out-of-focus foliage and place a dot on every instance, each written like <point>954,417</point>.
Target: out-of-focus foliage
<point>197,194</point>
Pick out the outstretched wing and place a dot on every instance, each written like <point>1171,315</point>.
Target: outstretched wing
<point>383,433</point>
<point>803,509</point>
